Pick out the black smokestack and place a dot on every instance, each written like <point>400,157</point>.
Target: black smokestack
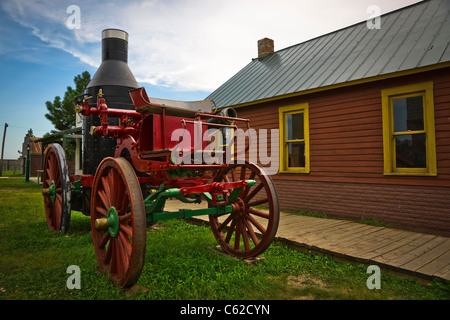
<point>114,45</point>
<point>115,78</point>
<point>114,70</point>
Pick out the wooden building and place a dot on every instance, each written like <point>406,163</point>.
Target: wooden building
<point>35,152</point>
<point>363,115</point>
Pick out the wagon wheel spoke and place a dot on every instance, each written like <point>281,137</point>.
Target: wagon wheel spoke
<point>105,241</point>
<point>245,236</point>
<point>102,211</point>
<point>243,170</point>
<point>230,231</point>
<point>106,193</point>
<point>237,235</point>
<point>104,198</point>
<point>123,253</point>
<point>118,191</point>
<point>254,192</point>
<point>250,228</point>
<point>233,174</point>
<point>112,258</point>
<point>127,229</point>
<point>258,202</point>
<point>125,218</point>
<point>256,224</point>
<point>247,188</point>
<point>117,206</point>
<point>258,213</point>
<point>251,232</point>
<point>55,216</point>
<point>123,206</point>
<point>49,175</point>
<point>225,223</point>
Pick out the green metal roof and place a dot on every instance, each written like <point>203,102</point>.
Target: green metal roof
<point>411,37</point>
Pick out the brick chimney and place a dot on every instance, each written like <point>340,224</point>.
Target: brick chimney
<point>265,47</point>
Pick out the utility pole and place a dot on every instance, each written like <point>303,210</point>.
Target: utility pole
<point>27,171</point>
<point>3,148</point>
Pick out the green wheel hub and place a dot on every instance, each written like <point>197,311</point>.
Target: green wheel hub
<point>52,191</point>
<point>113,222</point>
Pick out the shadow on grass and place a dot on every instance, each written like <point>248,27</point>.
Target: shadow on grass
<point>79,224</point>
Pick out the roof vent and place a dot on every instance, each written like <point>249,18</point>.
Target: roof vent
<point>265,47</point>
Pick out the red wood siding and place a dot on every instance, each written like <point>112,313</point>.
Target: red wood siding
<point>346,158</point>
<point>346,138</point>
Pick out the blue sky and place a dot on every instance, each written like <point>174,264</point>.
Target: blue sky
<point>178,49</point>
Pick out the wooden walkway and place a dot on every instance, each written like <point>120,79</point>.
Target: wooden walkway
<point>414,254</point>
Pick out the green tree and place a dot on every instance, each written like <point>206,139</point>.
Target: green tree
<point>30,133</point>
<point>61,113</point>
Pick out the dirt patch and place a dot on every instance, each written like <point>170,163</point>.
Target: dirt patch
<point>155,226</point>
<point>303,281</point>
<point>306,287</point>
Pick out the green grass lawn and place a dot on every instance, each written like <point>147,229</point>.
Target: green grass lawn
<point>181,263</point>
<point>11,173</point>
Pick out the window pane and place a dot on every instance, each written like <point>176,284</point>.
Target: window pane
<point>294,126</point>
<point>408,114</point>
<point>296,154</point>
<point>410,151</point>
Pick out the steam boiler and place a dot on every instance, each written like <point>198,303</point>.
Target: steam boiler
<point>115,79</point>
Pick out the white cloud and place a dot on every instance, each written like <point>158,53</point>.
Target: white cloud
<point>188,44</point>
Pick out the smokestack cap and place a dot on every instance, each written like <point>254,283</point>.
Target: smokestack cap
<point>114,33</point>
<point>114,45</point>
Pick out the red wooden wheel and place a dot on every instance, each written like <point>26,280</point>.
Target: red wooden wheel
<point>56,189</point>
<point>251,227</point>
<point>118,221</point>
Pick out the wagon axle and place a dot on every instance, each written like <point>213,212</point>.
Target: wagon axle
<point>154,204</point>
<point>111,222</point>
<point>155,207</point>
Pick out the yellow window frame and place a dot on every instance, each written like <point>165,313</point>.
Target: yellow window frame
<point>387,96</point>
<point>283,112</point>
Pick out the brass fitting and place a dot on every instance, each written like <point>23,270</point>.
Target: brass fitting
<point>101,223</point>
